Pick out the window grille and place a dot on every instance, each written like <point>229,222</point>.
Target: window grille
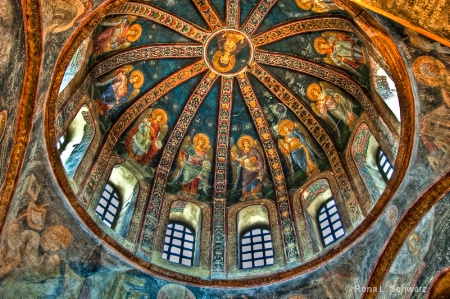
<point>256,249</point>
<point>329,222</point>
<point>179,244</point>
<point>384,165</point>
<point>108,205</point>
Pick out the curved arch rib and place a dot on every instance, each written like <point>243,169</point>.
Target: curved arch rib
<point>257,15</point>
<point>275,166</point>
<point>168,155</point>
<point>323,73</point>
<point>232,13</point>
<point>129,116</point>
<point>164,18</point>
<point>218,262</point>
<point>319,133</point>
<point>145,53</point>
<point>302,26</point>
<point>209,14</point>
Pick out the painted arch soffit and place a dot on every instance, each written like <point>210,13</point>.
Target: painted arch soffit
<point>217,106</point>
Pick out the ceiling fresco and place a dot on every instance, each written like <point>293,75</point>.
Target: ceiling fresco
<point>223,106</point>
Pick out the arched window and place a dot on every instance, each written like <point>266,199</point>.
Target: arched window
<point>179,244</point>
<point>256,248</point>
<point>384,165</point>
<point>329,223</point>
<point>108,205</point>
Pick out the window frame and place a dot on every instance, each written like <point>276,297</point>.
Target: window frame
<point>331,223</point>
<point>168,252</point>
<point>381,165</point>
<point>253,251</point>
<point>114,194</point>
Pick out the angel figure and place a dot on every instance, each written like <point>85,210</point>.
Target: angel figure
<point>194,164</point>
<point>119,35</point>
<point>325,98</point>
<point>249,169</point>
<point>117,88</point>
<point>145,139</point>
<point>297,147</point>
<point>341,50</point>
<point>317,6</point>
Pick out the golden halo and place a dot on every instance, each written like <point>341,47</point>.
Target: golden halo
<point>163,114</point>
<point>320,40</point>
<point>140,79</point>
<point>304,6</point>
<point>285,122</point>
<point>202,136</point>
<point>242,139</point>
<point>309,91</point>
<point>427,70</point>
<point>138,29</point>
<point>56,235</point>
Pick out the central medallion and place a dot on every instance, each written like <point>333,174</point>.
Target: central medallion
<point>228,52</point>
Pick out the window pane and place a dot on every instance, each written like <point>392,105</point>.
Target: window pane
<point>330,203</point>
<point>176,242</point>
<point>328,240</point>
<point>189,238</point>
<point>100,210</point>
<point>247,265</point>
<point>246,248</point>
<point>257,247</point>
<point>334,218</point>
<point>269,253</point>
<point>103,202</point>
<point>324,224</point>
<point>259,263</point>
<point>174,258</point>
<point>269,261</point>
<point>188,245</point>
<point>258,254</point>
<point>257,239</point>
<point>339,233</point>
<point>109,188</point>
<point>332,210</point>
<point>186,262</point>
<point>109,216</point>
<point>326,231</point>
<point>337,225</point>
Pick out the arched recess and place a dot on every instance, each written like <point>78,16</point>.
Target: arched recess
<point>77,62</point>
<point>362,155</point>
<point>195,214</point>
<point>131,196</point>
<point>242,217</point>
<point>307,202</point>
<point>74,142</point>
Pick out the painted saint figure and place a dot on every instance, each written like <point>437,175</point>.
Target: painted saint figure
<point>327,98</point>
<point>119,35</point>
<point>249,168</point>
<point>119,89</point>
<point>341,50</point>
<point>194,164</point>
<point>145,139</point>
<point>296,147</point>
<point>230,43</point>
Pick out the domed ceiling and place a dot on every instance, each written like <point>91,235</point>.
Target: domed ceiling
<point>225,105</point>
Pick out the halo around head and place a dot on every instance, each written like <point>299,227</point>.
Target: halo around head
<point>163,115</point>
<point>138,29</point>
<point>140,78</point>
<point>310,89</point>
<point>427,70</point>
<point>285,123</point>
<point>320,40</point>
<point>303,5</point>
<point>242,139</point>
<point>202,136</point>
